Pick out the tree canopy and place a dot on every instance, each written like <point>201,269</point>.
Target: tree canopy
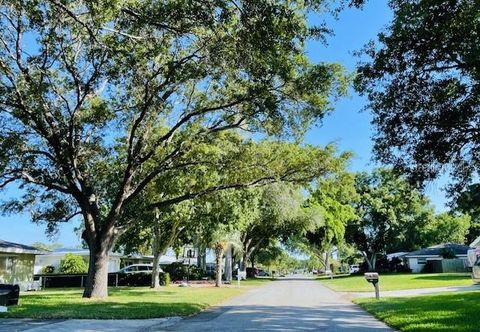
<point>99,99</point>
<point>468,202</point>
<point>422,83</point>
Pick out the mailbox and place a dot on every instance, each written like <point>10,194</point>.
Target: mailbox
<point>372,277</point>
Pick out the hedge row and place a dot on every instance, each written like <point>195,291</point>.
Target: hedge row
<point>114,279</point>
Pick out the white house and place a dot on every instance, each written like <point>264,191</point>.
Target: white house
<point>53,258</point>
<point>418,259</point>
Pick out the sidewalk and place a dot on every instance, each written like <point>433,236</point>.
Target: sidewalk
<point>85,325</point>
<point>410,292</point>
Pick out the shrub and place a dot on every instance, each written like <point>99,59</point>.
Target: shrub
<point>179,271</point>
<point>165,279</point>
<point>141,279</point>
<point>72,264</point>
<point>48,269</point>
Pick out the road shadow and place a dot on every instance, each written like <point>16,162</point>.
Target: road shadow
<point>329,317</point>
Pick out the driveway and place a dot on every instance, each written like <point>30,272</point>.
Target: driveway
<point>291,304</point>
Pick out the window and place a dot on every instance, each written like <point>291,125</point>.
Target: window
<point>143,268</point>
<point>421,261</point>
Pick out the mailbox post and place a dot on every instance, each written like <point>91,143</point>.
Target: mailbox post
<point>372,277</point>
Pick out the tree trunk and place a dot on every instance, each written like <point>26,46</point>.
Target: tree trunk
<point>156,270</point>
<point>218,264</point>
<point>228,264</point>
<point>243,263</point>
<point>326,261</point>
<point>374,261</point>
<point>96,285</point>
<point>371,262</point>
<point>157,253</point>
<point>161,242</point>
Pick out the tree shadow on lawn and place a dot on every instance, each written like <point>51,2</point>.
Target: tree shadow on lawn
<point>453,312</point>
<point>103,310</point>
<point>445,277</point>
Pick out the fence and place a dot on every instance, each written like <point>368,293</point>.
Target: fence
<point>448,265</point>
<point>73,280</point>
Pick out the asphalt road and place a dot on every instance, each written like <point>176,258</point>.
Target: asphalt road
<point>291,304</point>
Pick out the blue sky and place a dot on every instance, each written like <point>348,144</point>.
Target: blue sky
<point>347,126</point>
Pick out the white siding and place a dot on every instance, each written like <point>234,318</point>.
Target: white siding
<point>413,264</point>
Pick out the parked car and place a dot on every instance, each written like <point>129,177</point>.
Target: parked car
<point>354,268</point>
<point>136,268</point>
<point>252,272</point>
<point>262,273</point>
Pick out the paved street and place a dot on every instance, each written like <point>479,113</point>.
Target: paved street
<point>293,304</point>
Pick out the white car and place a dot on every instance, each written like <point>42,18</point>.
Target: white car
<point>137,268</point>
<point>354,268</point>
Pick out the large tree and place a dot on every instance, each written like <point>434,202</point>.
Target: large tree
<point>100,98</point>
<point>423,87</point>
<point>388,206</point>
<point>276,214</point>
<point>332,202</point>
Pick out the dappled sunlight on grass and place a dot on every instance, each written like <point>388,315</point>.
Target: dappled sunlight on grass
<point>445,312</point>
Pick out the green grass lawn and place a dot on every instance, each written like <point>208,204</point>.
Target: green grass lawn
<point>123,302</point>
<point>457,312</point>
<point>358,283</point>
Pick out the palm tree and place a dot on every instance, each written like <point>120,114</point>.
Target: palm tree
<point>221,239</point>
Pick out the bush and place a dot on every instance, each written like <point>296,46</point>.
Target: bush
<point>48,269</point>
<point>72,264</point>
<point>141,279</point>
<point>179,271</point>
<point>164,279</point>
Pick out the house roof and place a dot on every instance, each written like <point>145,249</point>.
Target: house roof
<point>17,248</point>
<point>476,242</point>
<point>397,254</point>
<point>458,249</point>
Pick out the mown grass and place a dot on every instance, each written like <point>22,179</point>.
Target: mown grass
<point>123,302</point>
<point>459,312</point>
<point>392,281</point>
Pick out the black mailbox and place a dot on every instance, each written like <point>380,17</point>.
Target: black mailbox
<point>9,294</point>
